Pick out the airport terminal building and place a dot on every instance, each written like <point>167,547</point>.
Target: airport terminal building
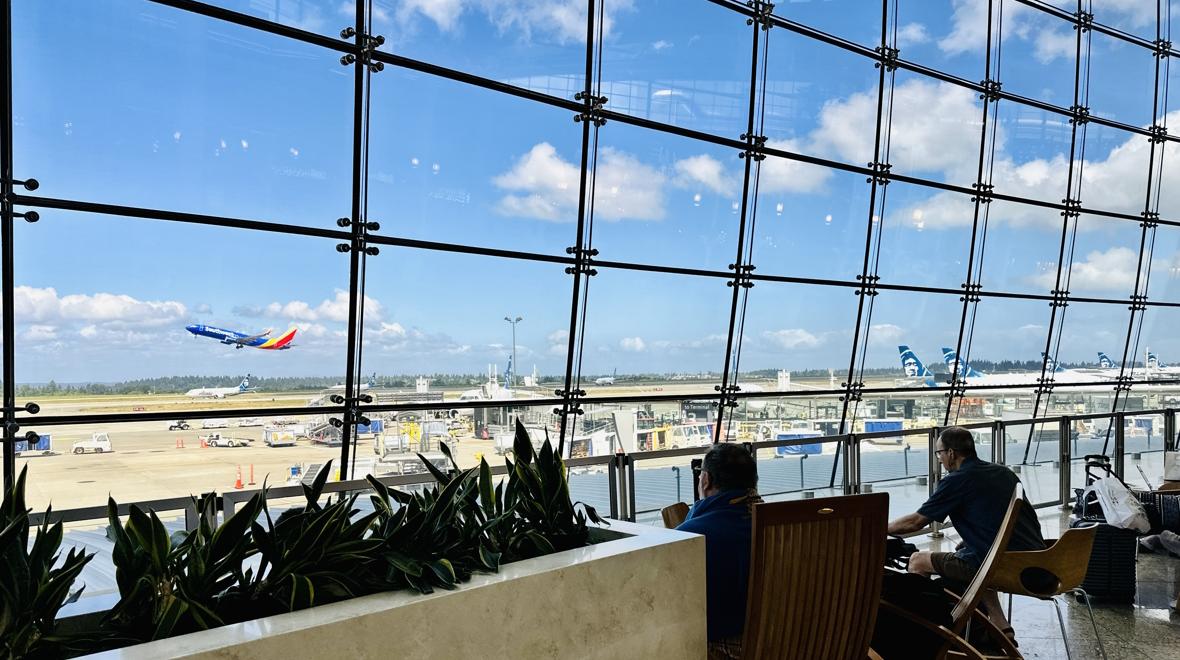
<point>414,273</point>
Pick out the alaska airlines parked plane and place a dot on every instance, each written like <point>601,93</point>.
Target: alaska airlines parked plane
<point>913,367</point>
<point>221,392</point>
<point>238,339</point>
<point>607,380</point>
<point>1105,362</point>
<point>976,377</point>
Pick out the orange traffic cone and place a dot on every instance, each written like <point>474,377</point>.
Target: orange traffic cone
<point>238,484</point>
<point>203,443</point>
<point>251,482</point>
<point>180,443</point>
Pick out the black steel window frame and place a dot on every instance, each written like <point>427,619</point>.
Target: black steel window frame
<point>763,22</point>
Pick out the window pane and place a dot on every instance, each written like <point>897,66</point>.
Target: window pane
<point>1116,170</point>
<point>1038,56</point>
<point>652,326</point>
<point>1122,80</point>
<point>926,238</point>
<point>934,131</point>
<point>855,21</point>
<point>319,16</point>
<point>810,221</point>
<point>434,175</point>
<point>680,63</point>
<point>901,321</point>
<point>91,323</point>
<point>666,200</point>
<point>950,37</point>
<point>269,137</point>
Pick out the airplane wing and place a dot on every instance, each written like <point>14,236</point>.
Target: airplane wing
<point>246,340</point>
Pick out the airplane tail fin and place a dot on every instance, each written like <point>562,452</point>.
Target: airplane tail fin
<point>1153,361</point>
<point>911,365</point>
<point>1051,364</point>
<point>1104,362</point>
<point>245,384</point>
<point>284,340</point>
<point>951,358</point>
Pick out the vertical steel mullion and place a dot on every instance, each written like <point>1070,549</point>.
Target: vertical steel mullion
<point>1065,217</point>
<point>1065,456</point>
<point>968,281</point>
<point>738,262</point>
<point>6,238</point>
<point>864,268</point>
<point>354,255</point>
<point>575,344</point>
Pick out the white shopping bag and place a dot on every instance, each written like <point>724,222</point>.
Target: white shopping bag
<point>1172,466</point>
<point>1119,506</point>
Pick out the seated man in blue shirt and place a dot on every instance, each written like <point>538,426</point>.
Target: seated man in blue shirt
<point>975,495</point>
<point>727,490</point>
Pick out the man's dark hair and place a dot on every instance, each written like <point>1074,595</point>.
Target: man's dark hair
<point>959,440</point>
<point>730,466</point>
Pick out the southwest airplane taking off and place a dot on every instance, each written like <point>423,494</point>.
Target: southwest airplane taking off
<point>238,339</point>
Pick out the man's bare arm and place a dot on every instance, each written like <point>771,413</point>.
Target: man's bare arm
<point>908,523</point>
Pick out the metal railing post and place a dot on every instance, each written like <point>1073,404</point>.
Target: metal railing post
<point>999,445</point>
<point>629,466</point>
<point>850,472</point>
<point>933,475</point>
<point>1120,444</point>
<point>612,480</point>
<point>1169,430</point>
<point>1064,458</point>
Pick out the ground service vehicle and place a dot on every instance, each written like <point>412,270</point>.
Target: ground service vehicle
<point>41,445</point>
<point>218,440</point>
<point>98,443</point>
<point>179,425</point>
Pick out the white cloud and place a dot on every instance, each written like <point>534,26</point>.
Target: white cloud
<point>783,175</point>
<point>912,34</point>
<point>41,305</point>
<point>661,45</point>
<point>548,187</point>
<point>704,170</point>
<point>392,330</point>
<point>969,24</point>
<point>558,342</point>
<point>562,21</point>
<point>332,309</point>
<point>1110,270</point>
<point>883,334</point>
<point>791,338</point>
<point>633,344</point>
<point>39,332</point>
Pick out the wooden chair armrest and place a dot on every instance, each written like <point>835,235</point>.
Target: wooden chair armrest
<point>873,655</point>
<point>948,637</point>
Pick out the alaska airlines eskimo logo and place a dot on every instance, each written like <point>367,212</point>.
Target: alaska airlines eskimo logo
<point>910,364</point>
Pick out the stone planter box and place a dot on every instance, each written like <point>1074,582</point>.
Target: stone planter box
<point>639,593</point>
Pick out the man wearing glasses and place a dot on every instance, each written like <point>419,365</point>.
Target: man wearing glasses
<point>974,494</point>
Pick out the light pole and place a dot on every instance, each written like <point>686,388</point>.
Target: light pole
<point>515,366</point>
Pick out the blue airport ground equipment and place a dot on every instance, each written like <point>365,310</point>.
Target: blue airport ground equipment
<point>374,426</point>
<point>42,444</point>
<point>802,449</point>
<point>878,425</point>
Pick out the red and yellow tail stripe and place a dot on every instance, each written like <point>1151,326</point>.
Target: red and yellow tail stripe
<point>281,341</point>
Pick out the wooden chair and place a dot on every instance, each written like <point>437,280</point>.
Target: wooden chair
<point>815,577</point>
<point>965,610</point>
<point>674,514</point>
<point>1045,574</point>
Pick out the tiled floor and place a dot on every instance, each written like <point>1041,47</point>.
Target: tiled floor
<point>1147,630</point>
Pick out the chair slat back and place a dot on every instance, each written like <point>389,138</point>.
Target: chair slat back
<point>815,577</point>
<point>975,589</point>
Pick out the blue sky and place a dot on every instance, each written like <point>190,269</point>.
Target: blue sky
<point>134,103</point>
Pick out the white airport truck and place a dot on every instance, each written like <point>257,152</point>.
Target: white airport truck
<point>98,443</point>
<point>218,440</point>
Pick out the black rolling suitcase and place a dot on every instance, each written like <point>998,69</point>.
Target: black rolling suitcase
<point>1110,576</point>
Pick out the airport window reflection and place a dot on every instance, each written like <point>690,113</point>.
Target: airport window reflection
<point>295,263</point>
